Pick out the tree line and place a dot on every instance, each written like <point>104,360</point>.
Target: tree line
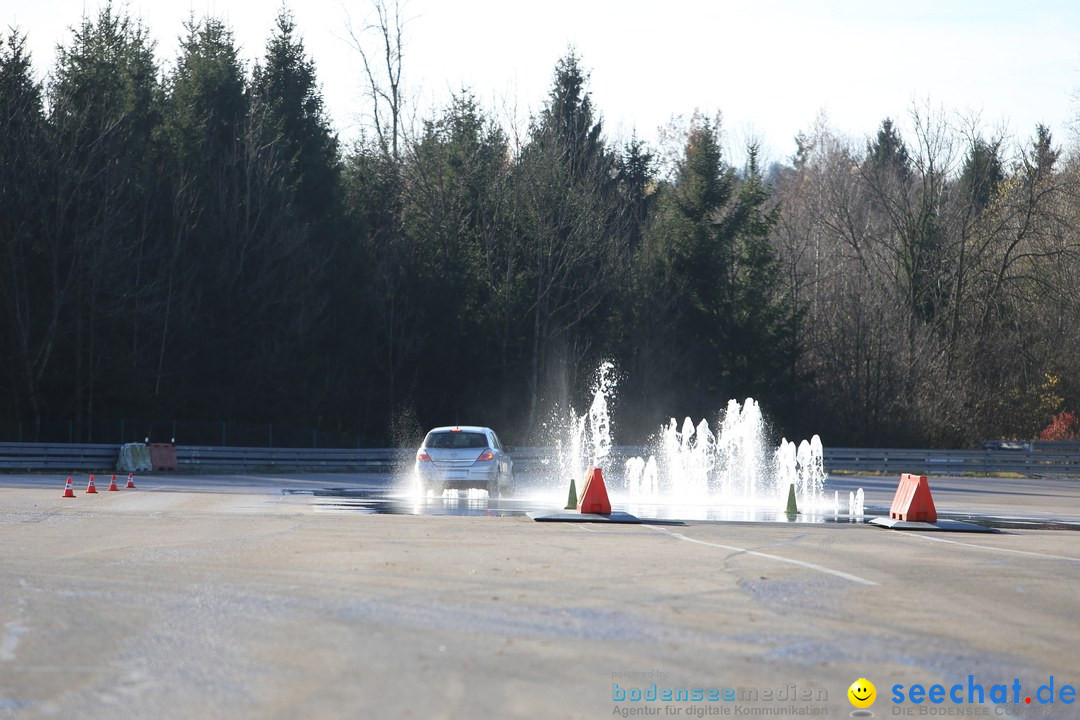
<point>194,242</point>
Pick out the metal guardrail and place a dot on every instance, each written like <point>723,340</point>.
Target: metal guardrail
<point>1031,461</point>
<point>57,456</point>
<point>70,457</point>
<point>1038,459</point>
<point>209,457</point>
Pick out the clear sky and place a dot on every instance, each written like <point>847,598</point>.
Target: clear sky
<point>771,67</point>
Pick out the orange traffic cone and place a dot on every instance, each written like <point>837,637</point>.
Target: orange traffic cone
<point>913,502</point>
<point>112,485</point>
<point>68,492</point>
<point>594,497</point>
<point>131,481</point>
<point>90,486</point>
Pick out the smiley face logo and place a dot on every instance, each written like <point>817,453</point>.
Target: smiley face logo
<point>862,693</point>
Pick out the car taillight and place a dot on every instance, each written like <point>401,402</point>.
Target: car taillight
<point>485,456</point>
<point>423,456</point>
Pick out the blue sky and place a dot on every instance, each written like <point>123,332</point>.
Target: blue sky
<point>771,67</point>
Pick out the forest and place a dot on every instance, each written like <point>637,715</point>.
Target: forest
<point>191,241</point>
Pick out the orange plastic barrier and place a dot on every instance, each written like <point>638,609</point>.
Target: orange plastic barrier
<point>913,502</point>
<point>163,456</point>
<point>594,497</point>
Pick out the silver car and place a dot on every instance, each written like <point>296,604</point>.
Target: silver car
<point>464,456</point>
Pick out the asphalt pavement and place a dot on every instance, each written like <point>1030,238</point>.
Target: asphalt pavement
<point>258,597</point>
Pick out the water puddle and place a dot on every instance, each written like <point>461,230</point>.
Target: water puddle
<point>1003,523</point>
<point>382,502</point>
<point>997,522</point>
<point>476,503</point>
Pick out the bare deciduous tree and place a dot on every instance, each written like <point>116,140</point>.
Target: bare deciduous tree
<point>382,70</point>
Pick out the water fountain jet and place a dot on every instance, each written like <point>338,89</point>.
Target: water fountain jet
<point>690,465</point>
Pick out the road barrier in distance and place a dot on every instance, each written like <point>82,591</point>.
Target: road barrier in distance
<point>22,457</point>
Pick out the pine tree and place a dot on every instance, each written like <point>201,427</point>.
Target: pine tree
<point>455,195</point>
<point>982,172</point>
<point>240,259</point>
<point>30,303</point>
<point>715,279</point>
<point>636,174</point>
<point>762,347</point>
<point>888,152</point>
<point>285,92</point>
<point>573,227</point>
<point>907,207</point>
<point>104,114</point>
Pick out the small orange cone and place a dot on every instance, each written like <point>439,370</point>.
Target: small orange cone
<point>594,497</point>
<point>131,481</point>
<point>68,492</point>
<point>112,485</point>
<point>90,486</point>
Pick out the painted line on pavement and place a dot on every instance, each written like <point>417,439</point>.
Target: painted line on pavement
<point>993,549</point>
<point>779,558</point>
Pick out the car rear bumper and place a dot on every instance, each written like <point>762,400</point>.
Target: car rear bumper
<point>456,478</point>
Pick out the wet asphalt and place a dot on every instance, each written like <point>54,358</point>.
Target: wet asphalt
<point>322,595</point>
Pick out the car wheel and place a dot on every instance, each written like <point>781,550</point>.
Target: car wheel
<point>506,487</point>
<point>426,487</point>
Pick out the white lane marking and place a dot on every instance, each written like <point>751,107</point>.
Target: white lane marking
<point>767,556</point>
<point>993,549</point>
<point>11,640</point>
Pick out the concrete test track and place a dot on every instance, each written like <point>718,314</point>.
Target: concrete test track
<point>201,598</point>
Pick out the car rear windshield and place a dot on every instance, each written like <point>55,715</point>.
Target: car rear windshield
<point>452,440</point>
